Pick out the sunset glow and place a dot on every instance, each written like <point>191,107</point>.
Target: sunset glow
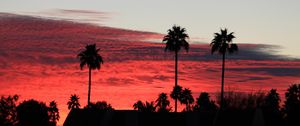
<point>38,60</point>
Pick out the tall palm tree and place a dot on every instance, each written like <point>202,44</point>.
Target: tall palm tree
<point>162,103</point>
<point>222,43</point>
<point>175,40</point>
<point>187,99</point>
<point>73,102</point>
<point>90,58</point>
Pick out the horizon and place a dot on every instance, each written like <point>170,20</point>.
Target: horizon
<point>39,45</point>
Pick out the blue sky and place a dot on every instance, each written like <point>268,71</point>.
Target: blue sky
<point>273,22</point>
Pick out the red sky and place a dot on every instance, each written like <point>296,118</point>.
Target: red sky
<point>38,60</point>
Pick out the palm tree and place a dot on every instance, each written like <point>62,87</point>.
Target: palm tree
<point>176,94</point>
<point>144,107</point>
<point>53,113</point>
<point>92,60</point>
<point>163,103</point>
<point>187,99</point>
<point>74,102</point>
<point>222,43</point>
<point>139,105</point>
<point>175,40</point>
<point>149,107</point>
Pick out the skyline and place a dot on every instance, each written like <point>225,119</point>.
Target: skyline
<point>257,22</point>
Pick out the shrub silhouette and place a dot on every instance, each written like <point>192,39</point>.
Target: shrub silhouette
<point>242,101</point>
<point>8,110</point>
<point>292,105</point>
<point>204,104</point>
<point>100,105</point>
<point>271,109</point>
<point>32,113</point>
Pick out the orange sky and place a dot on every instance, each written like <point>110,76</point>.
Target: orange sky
<point>38,60</point>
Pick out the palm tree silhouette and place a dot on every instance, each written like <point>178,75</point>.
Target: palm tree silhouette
<point>92,60</point>
<point>53,113</point>
<point>176,94</point>
<point>144,107</point>
<point>139,105</point>
<point>222,43</point>
<point>163,103</point>
<point>187,99</point>
<point>150,107</point>
<point>175,40</point>
<point>74,102</point>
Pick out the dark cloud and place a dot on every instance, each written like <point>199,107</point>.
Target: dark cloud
<point>150,78</point>
<point>119,81</point>
<point>270,71</point>
<point>254,79</point>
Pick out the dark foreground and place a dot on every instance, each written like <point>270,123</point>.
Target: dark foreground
<point>84,117</point>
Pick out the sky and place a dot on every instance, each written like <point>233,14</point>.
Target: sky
<point>40,40</point>
<point>267,22</point>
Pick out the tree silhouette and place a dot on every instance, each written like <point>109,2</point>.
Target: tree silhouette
<point>8,112</point>
<point>150,107</point>
<point>271,109</point>
<point>175,40</point>
<point>272,101</point>
<point>242,101</point>
<point>32,113</point>
<point>53,113</point>
<point>144,107</point>
<point>204,104</point>
<point>162,103</point>
<point>92,60</point>
<point>73,102</point>
<point>100,105</point>
<point>292,104</point>
<point>176,94</point>
<point>222,43</point>
<point>187,98</point>
<point>139,105</point>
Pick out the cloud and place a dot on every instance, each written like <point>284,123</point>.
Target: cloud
<point>119,81</point>
<point>293,71</point>
<point>38,56</point>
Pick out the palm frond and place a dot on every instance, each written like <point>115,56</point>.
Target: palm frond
<point>90,57</point>
<point>176,39</point>
<point>222,42</point>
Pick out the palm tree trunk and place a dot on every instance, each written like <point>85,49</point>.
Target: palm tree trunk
<point>176,63</point>
<point>222,86</point>
<point>89,92</point>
